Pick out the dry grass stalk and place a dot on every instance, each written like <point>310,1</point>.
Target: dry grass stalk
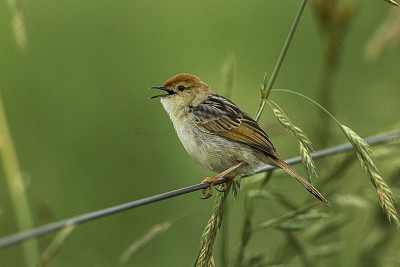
<point>55,245</point>
<point>364,153</point>
<point>286,218</point>
<point>16,187</point>
<point>155,231</point>
<point>205,257</point>
<point>263,86</point>
<point>305,144</point>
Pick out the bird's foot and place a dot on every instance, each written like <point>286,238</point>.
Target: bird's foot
<point>224,187</point>
<point>212,180</point>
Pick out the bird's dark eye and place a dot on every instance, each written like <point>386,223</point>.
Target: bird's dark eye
<point>181,87</point>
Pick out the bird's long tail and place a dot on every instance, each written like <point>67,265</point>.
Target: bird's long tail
<point>301,180</point>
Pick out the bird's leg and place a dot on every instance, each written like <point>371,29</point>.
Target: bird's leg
<point>212,180</point>
<point>224,186</point>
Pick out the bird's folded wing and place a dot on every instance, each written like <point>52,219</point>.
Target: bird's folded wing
<point>221,117</point>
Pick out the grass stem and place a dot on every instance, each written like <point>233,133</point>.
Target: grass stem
<point>16,187</point>
<point>280,59</point>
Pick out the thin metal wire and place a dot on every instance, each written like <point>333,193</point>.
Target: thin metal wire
<point>20,237</point>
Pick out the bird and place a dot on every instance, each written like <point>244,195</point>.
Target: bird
<point>217,134</point>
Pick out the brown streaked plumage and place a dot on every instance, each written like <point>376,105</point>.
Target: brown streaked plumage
<point>218,134</point>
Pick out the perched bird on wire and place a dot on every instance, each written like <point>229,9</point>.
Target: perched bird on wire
<point>217,134</point>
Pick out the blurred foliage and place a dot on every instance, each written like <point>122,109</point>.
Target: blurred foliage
<point>87,136</point>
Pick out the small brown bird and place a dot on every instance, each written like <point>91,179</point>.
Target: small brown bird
<point>217,134</point>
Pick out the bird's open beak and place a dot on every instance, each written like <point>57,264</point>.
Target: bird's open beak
<point>169,92</point>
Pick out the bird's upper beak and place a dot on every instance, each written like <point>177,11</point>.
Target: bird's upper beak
<point>169,92</point>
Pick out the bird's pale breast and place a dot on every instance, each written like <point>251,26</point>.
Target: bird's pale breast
<point>214,152</point>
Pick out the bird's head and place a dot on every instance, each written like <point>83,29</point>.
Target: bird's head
<point>182,90</point>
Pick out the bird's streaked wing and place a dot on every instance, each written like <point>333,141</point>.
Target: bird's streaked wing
<point>218,115</point>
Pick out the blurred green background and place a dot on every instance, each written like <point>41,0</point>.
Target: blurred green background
<point>87,137</point>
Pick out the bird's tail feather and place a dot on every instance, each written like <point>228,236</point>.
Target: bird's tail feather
<point>301,180</point>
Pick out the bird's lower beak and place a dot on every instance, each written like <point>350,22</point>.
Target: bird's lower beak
<point>169,92</point>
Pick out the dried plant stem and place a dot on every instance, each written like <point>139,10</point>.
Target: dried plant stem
<point>55,245</point>
<point>364,154</point>
<point>155,231</point>
<point>305,144</point>
<point>16,187</point>
<point>268,86</point>
<point>284,218</point>
<point>205,258</point>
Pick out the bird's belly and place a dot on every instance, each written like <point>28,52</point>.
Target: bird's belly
<point>218,153</point>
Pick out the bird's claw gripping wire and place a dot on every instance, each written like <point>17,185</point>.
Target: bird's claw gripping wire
<point>212,180</point>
